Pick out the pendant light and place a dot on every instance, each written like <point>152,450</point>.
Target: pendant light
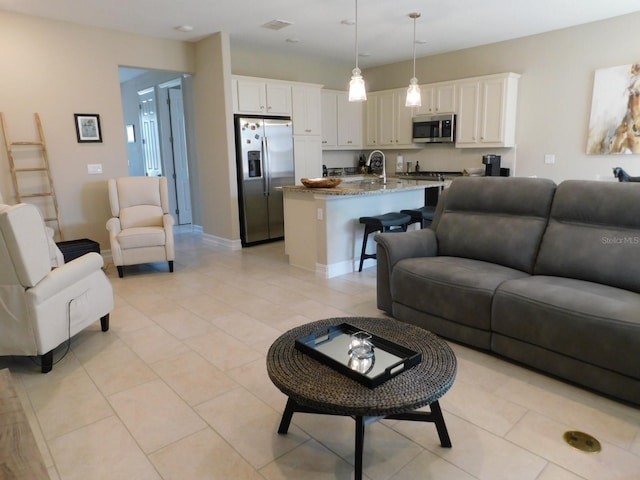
<point>413,92</point>
<point>357,91</point>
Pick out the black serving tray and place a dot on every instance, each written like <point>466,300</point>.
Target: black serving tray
<point>330,346</point>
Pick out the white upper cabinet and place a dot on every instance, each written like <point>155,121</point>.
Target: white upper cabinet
<point>437,98</point>
<point>486,113</point>
<point>349,122</point>
<point>307,116</point>
<point>341,121</point>
<point>261,97</point>
<point>371,120</point>
<point>394,119</point>
<point>329,101</point>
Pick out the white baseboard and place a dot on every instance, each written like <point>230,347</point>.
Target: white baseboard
<point>335,269</point>
<point>222,242</point>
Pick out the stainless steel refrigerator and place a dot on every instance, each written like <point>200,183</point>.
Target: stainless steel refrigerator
<point>264,154</point>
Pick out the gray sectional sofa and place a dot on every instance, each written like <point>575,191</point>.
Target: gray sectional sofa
<point>546,275</point>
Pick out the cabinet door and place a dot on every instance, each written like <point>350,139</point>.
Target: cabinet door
<point>426,99</point>
<point>329,119</point>
<point>445,98</point>
<point>349,120</point>
<point>307,157</point>
<point>306,111</point>
<point>371,115</point>
<point>387,119</point>
<point>492,119</point>
<point>467,117</point>
<point>251,97</point>
<point>404,134</point>
<point>278,99</point>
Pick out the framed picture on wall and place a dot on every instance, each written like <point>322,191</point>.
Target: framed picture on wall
<point>88,127</point>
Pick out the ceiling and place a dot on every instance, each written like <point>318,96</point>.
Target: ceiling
<point>384,29</point>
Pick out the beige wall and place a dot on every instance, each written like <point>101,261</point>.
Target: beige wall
<point>214,137</point>
<point>256,62</point>
<point>554,100</point>
<point>58,69</point>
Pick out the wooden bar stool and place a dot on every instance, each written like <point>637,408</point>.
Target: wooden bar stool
<point>387,222</point>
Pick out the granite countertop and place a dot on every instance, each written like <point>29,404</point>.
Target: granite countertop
<point>367,187</point>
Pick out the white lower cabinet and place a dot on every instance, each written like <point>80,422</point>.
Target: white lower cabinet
<point>486,114</point>
<point>307,156</point>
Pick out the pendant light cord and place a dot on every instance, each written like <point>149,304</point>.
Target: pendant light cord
<point>356,33</point>
<point>414,46</point>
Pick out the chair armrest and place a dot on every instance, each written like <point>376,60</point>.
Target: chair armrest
<point>113,225</point>
<point>393,247</point>
<point>418,243</point>
<point>167,220</point>
<point>68,274</point>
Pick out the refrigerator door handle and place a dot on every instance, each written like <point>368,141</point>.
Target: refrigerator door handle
<point>266,166</point>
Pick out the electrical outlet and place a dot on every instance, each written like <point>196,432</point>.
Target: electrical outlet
<point>320,214</point>
<point>549,158</point>
<point>94,168</point>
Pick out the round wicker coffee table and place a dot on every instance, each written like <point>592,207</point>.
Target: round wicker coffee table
<point>313,387</point>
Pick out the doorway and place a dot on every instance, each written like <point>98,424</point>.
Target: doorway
<point>154,108</point>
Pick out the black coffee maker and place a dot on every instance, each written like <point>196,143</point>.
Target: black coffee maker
<point>492,163</point>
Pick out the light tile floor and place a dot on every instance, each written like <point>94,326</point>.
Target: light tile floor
<point>178,389</point>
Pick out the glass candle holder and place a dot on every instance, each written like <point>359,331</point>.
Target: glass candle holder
<point>361,346</point>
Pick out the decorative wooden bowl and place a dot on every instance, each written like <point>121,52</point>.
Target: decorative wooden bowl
<point>321,182</point>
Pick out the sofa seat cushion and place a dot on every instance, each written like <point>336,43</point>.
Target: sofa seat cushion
<point>140,237</point>
<point>453,288</point>
<point>587,321</point>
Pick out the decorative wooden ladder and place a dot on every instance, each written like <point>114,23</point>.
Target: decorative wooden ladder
<point>39,168</point>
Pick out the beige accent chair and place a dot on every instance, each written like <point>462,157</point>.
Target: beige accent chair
<point>141,230</point>
<point>55,255</point>
<point>41,307</point>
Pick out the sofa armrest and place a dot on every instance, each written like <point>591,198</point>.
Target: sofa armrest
<point>68,274</point>
<point>393,247</point>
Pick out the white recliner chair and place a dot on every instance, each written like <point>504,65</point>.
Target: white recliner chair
<point>41,307</point>
<point>141,230</point>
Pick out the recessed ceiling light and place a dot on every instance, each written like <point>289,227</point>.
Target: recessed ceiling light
<point>277,24</point>
<point>292,40</point>
<point>185,28</point>
<point>348,22</point>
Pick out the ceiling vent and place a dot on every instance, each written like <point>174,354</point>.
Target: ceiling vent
<point>277,24</point>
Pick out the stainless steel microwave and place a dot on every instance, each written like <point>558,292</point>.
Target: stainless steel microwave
<point>439,128</point>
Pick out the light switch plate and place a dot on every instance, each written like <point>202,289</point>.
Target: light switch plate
<point>94,168</point>
<point>549,158</point>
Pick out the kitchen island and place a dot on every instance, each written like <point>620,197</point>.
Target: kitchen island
<point>322,231</point>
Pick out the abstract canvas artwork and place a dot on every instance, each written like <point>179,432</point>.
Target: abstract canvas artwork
<point>614,126</point>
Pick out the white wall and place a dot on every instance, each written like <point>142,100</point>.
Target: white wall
<point>554,100</point>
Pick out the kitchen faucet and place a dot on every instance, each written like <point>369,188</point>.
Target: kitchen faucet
<point>384,171</point>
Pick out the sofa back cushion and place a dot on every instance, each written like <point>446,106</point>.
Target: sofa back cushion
<point>594,234</point>
<point>495,219</point>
